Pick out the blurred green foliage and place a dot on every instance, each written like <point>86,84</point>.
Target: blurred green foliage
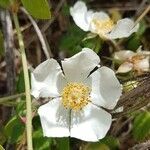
<point>4,3</point>
<point>1,44</point>
<point>38,8</point>
<point>107,143</point>
<point>134,41</point>
<point>14,129</point>
<point>71,41</point>
<point>1,148</point>
<point>20,83</point>
<point>141,125</point>
<point>40,142</point>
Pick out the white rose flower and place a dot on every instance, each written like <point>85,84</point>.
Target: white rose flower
<point>79,96</point>
<point>138,61</point>
<point>100,23</point>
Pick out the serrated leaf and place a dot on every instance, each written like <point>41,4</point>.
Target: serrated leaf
<point>14,129</point>
<point>37,8</point>
<point>141,126</point>
<point>4,3</point>
<point>40,142</point>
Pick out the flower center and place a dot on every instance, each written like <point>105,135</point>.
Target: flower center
<point>75,96</point>
<point>103,26</point>
<point>137,58</point>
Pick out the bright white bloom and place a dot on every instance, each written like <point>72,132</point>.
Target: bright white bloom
<point>78,96</point>
<point>100,23</point>
<point>133,61</point>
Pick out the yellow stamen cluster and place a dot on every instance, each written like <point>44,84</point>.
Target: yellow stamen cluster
<point>75,96</point>
<point>103,26</point>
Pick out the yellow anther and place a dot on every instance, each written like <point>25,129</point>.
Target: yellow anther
<point>75,96</point>
<point>103,26</point>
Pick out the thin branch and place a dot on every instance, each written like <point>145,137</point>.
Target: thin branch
<point>27,84</point>
<point>140,8</point>
<point>39,33</point>
<point>12,97</point>
<point>47,24</point>
<point>9,57</point>
<point>9,53</point>
<point>142,15</point>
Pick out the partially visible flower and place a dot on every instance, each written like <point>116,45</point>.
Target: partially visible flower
<point>138,61</point>
<point>100,23</point>
<point>78,96</point>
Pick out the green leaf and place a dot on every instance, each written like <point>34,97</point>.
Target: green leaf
<point>63,143</point>
<point>40,142</point>
<point>37,8</point>
<point>20,83</point>
<point>1,44</point>
<point>72,39</point>
<point>142,28</point>
<point>107,143</point>
<point>134,42</point>
<point>4,3</point>
<point>65,10</point>
<point>2,136</point>
<point>93,43</point>
<point>1,148</point>
<point>14,129</point>
<point>141,126</point>
<point>111,142</point>
<point>96,146</point>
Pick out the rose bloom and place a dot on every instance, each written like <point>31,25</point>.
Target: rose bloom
<point>100,23</point>
<point>136,61</point>
<point>78,94</point>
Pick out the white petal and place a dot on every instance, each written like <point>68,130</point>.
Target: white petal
<point>98,16</point>
<point>125,67</point>
<point>144,53</point>
<point>78,67</point>
<point>54,119</point>
<point>106,89</point>
<point>79,12</point>
<point>124,28</point>
<point>44,79</point>
<point>123,55</point>
<point>90,124</point>
<point>101,16</point>
<point>142,65</point>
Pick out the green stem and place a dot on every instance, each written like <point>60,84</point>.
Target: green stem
<point>27,84</point>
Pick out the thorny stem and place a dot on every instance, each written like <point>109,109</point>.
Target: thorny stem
<point>27,84</point>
